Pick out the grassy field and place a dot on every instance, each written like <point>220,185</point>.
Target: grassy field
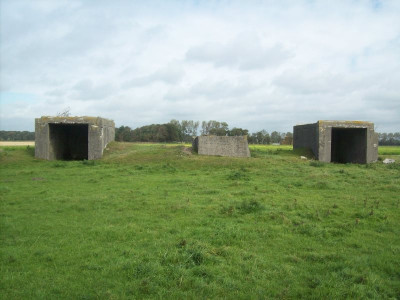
<point>152,221</point>
<point>389,150</point>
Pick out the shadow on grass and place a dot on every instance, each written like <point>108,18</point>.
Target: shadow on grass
<point>307,152</point>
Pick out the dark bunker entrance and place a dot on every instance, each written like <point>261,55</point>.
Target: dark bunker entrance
<point>349,145</point>
<point>69,141</point>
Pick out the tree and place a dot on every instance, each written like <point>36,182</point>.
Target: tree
<point>123,134</point>
<point>267,137</point>
<point>17,136</point>
<point>179,129</point>
<point>262,137</point>
<point>252,138</point>
<point>189,129</point>
<point>162,134</point>
<point>288,139</point>
<point>217,128</point>
<point>238,132</point>
<point>194,129</point>
<point>173,132</point>
<point>276,137</point>
<point>389,138</point>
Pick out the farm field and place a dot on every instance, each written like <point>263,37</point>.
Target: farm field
<point>154,221</point>
<point>389,150</point>
<point>17,143</point>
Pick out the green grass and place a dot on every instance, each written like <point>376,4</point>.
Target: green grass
<point>389,150</point>
<point>151,221</point>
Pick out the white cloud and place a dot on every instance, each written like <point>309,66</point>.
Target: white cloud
<point>245,52</point>
<point>171,74</point>
<point>253,64</point>
<point>86,90</point>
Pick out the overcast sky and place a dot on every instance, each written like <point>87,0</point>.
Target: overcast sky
<point>254,64</point>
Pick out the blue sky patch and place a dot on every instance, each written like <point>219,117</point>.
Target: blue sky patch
<point>12,97</point>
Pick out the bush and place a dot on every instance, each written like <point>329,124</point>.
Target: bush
<point>393,166</point>
<point>317,164</point>
<point>59,164</point>
<point>88,162</point>
<point>30,150</point>
<point>239,175</point>
<point>250,206</point>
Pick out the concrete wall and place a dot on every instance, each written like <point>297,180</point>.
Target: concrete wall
<point>372,144</point>
<point>325,139</point>
<point>51,142</point>
<point>235,146</point>
<point>42,139</point>
<point>321,142</point>
<point>100,134</point>
<point>306,136</point>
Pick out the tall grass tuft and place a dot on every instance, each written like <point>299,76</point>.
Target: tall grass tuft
<point>317,163</point>
<point>250,206</point>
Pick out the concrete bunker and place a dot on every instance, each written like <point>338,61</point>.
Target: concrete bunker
<point>338,141</point>
<point>69,141</point>
<point>234,146</point>
<point>349,145</point>
<point>72,138</point>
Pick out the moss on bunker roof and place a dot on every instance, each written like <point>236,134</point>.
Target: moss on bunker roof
<point>75,119</point>
<point>344,122</point>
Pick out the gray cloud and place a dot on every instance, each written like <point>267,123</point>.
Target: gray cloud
<point>215,90</point>
<point>296,83</point>
<point>277,65</point>
<point>87,90</point>
<point>245,53</point>
<point>171,74</point>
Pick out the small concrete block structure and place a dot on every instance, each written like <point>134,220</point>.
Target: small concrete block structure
<point>72,138</point>
<point>235,146</point>
<point>338,141</point>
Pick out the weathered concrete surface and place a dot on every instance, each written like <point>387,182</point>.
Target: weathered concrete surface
<point>338,141</point>
<point>72,137</point>
<point>235,146</point>
<point>306,136</point>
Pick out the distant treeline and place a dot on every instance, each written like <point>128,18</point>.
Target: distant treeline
<point>185,131</point>
<point>17,136</point>
<point>389,139</point>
